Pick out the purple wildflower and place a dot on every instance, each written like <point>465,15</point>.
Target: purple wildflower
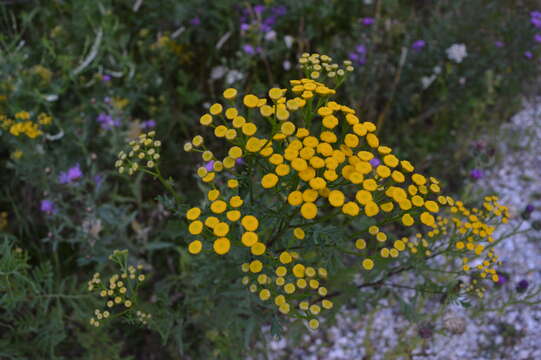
<point>537,38</point>
<point>418,45</point>
<point>502,279</point>
<point>359,55</point>
<point>536,22</point>
<point>107,122</point>
<point>244,27</point>
<point>196,21</point>
<point>248,49</point>
<point>47,206</point>
<point>528,54</point>
<point>367,21</point>
<point>73,173</point>
<point>106,78</point>
<point>477,174</point>
<point>522,286</point>
<point>499,44</point>
<point>98,179</point>
<point>210,165</point>
<point>279,10</point>
<point>375,162</point>
<point>529,208</point>
<point>536,14</point>
<point>258,9</point>
<point>148,124</point>
<point>240,161</point>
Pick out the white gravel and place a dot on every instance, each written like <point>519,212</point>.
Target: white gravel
<point>513,333</point>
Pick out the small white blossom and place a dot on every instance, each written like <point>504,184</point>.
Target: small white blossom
<point>218,72</point>
<point>457,53</point>
<point>270,35</point>
<point>233,76</point>
<point>287,65</point>
<point>426,81</point>
<point>288,39</point>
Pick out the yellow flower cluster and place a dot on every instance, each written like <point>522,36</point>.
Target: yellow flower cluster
<point>118,292</point>
<point>144,153</point>
<point>294,288</point>
<point>314,65</point>
<point>325,162</point>
<point>22,125</point>
<point>225,217</point>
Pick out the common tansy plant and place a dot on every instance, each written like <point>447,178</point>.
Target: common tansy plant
<point>300,174</point>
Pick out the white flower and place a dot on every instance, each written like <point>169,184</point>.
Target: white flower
<point>426,81</point>
<point>457,53</point>
<point>288,39</point>
<point>270,35</point>
<point>287,65</point>
<point>233,76</point>
<point>218,72</point>
<point>437,70</point>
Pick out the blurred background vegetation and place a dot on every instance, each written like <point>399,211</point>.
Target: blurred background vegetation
<point>105,71</point>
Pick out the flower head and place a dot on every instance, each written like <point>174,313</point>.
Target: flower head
<point>367,21</point>
<point>522,286</point>
<point>73,174</point>
<point>457,53</point>
<point>418,45</point>
<point>477,174</point>
<point>47,206</point>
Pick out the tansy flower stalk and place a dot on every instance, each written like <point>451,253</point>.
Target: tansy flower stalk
<point>119,293</point>
<point>319,183</point>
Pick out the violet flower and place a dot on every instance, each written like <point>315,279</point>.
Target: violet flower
<point>248,49</point>
<point>499,44</point>
<point>196,21</point>
<point>279,10</point>
<point>477,174</point>
<point>258,9</point>
<point>149,124</point>
<point>528,54</point>
<point>418,45</point>
<point>73,174</point>
<point>368,21</point>
<point>359,55</point>
<point>210,165</point>
<point>47,206</point>
<point>106,78</point>
<point>537,38</point>
<point>375,162</point>
<point>522,286</point>
<point>107,122</point>
<point>502,279</point>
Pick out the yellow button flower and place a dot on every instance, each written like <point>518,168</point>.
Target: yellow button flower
<point>222,245</point>
<point>249,238</point>
<point>269,181</point>
<point>196,227</point>
<point>193,213</point>
<point>309,210</point>
<point>250,223</point>
<point>195,247</point>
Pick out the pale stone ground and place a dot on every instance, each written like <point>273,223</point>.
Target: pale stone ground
<point>514,333</point>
